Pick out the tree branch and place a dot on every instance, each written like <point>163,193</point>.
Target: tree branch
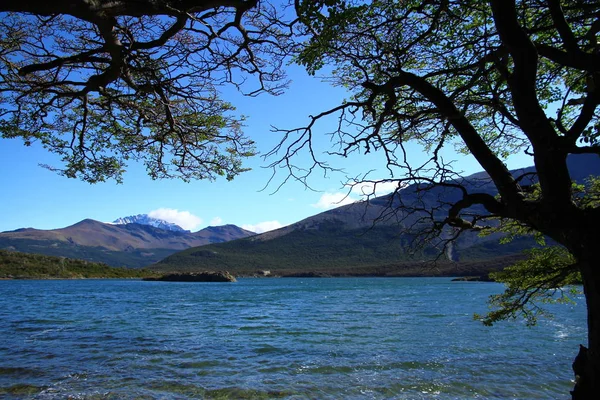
<point>488,160</point>
<point>582,61</point>
<point>92,9</point>
<point>586,115</point>
<point>87,56</point>
<point>164,37</point>
<point>563,28</point>
<point>550,157</point>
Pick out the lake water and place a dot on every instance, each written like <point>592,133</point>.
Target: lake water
<point>356,338</point>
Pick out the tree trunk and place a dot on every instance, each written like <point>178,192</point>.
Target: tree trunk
<point>587,363</point>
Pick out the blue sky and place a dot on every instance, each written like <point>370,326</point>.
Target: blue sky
<point>32,196</point>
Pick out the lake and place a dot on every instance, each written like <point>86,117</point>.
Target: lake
<point>293,338</point>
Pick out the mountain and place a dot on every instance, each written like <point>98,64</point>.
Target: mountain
<point>145,219</point>
<point>368,237</point>
<point>131,245</point>
<point>334,243</point>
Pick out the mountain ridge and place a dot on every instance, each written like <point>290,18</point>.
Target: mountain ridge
<point>347,238</point>
<point>145,219</point>
<point>132,245</point>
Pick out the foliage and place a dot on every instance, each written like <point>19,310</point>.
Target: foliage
<point>485,78</point>
<point>136,258</point>
<point>121,81</point>
<point>490,78</point>
<point>587,195</point>
<point>331,248</point>
<point>35,266</point>
<point>327,247</point>
<point>546,276</point>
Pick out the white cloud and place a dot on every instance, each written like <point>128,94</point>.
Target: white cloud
<point>184,219</point>
<point>263,226</point>
<point>370,188</point>
<point>359,192</point>
<point>216,221</point>
<point>333,200</point>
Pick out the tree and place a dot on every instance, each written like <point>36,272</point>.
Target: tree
<point>492,77</point>
<point>100,83</point>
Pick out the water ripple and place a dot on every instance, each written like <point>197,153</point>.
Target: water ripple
<point>275,338</point>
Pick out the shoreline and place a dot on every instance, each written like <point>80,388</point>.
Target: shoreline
<point>455,278</point>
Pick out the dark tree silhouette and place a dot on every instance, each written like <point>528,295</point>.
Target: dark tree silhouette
<point>102,82</point>
<point>491,77</point>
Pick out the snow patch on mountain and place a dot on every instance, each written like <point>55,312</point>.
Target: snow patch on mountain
<point>144,219</point>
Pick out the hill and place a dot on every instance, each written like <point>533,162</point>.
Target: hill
<point>329,247</point>
<point>370,237</point>
<point>15,265</point>
<point>131,245</point>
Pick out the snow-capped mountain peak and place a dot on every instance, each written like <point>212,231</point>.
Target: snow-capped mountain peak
<point>144,219</point>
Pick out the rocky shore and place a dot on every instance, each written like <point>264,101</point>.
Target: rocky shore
<point>477,278</point>
<point>222,276</point>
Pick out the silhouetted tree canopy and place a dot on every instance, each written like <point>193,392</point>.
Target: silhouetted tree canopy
<point>100,83</point>
<point>492,78</point>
